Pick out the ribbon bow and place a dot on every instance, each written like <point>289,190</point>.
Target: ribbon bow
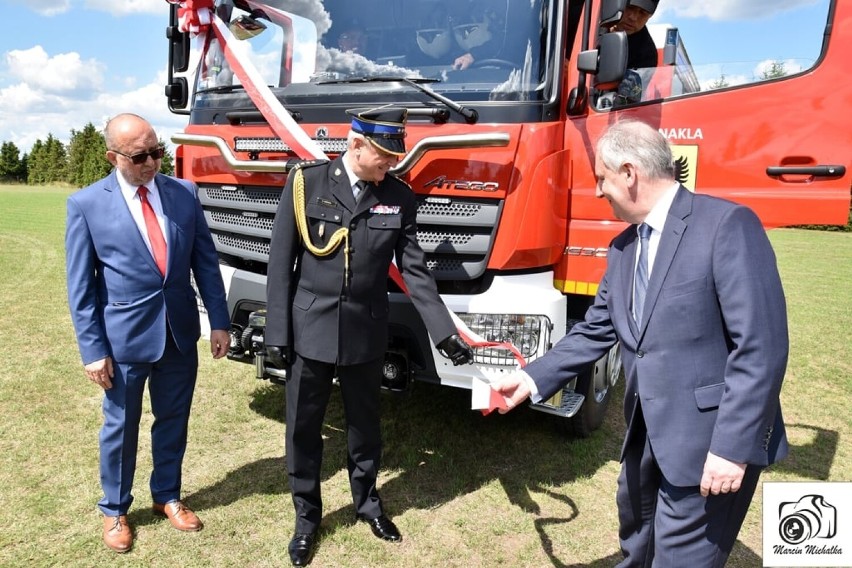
<point>195,16</point>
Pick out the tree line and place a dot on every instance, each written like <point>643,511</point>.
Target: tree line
<point>79,163</point>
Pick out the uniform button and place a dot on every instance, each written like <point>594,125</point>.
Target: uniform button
<point>640,353</point>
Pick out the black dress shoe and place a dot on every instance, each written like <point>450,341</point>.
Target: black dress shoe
<point>383,528</point>
<point>301,548</point>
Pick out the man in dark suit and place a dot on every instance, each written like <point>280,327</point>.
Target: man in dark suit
<point>131,241</point>
<point>327,308</point>
<point>704,355</point>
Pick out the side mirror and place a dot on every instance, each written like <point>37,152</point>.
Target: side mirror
<point>178,49</point>
<point>670,49</point>
<point>608,62</point>
<point>177,93</point>
<point>611,12</point>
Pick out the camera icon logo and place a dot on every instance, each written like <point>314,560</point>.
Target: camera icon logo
<point>809,517</point>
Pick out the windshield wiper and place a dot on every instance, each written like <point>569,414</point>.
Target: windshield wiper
<point>221,89</point>
<point>469,114</point>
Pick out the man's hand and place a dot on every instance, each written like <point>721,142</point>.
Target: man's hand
<point>721,475</point>
<point>220,341</point>
<point>277,356</point>
<point>456,350</point>
<point>514,390</point>
<point>462,62</point>
<point>100,372</point>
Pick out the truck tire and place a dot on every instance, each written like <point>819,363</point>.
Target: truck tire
<point>597,386</point>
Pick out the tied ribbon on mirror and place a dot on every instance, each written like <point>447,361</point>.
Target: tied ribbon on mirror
<point>194,16</point>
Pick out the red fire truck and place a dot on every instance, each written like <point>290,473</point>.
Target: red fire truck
<point>500,152</point>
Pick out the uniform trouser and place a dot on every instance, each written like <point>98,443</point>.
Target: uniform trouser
<point>308,390</point>
<point>171,382</point>
<point>663,525</point>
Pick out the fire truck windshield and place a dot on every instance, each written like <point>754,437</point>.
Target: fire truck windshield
<point>478,50</point>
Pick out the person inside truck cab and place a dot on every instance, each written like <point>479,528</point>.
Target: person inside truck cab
<point>478,38</point>
<point>353,39</point>
<point>641,54</point>
<point>641,50</point>
<point>498,33</point>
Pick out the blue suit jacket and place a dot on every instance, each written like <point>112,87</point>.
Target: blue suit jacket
<point>707,362</point>
<point>119,301</point>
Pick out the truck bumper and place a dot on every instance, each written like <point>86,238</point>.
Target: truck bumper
<point>517,295</point>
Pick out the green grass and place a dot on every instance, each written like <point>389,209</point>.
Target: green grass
<point>465,490</point>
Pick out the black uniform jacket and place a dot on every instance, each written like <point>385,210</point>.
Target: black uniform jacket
<point>312,306</point>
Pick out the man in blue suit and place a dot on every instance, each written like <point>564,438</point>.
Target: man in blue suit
<point>704,355</point>
<point>131,241</point>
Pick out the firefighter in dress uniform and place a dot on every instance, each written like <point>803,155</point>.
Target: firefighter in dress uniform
<point>338,227</point>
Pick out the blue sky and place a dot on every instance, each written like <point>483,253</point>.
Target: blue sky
<point>65,63</point>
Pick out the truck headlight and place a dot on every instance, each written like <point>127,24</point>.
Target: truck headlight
<point>530,334</point>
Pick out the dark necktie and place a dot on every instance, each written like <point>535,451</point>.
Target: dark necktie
<point>155,234</point>
<point>360,186</point>
<point>640,282</point>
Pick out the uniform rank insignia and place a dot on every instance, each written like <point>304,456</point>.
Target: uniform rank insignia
<point>385,209</point>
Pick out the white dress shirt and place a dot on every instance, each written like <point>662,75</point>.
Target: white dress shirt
<point>135,205</point>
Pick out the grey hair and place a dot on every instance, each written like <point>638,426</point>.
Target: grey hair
<point>639,144</point>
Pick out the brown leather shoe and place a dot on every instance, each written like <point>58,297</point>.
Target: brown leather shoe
<point>117,533</point>
<point>181,516</point>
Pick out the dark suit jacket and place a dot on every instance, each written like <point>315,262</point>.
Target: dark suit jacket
<point>119,301</point>
<point>707,362</point>
<point>333,320</point>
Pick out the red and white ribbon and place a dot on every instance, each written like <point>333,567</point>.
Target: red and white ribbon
<point>471,338</point>
<point>197,17</point>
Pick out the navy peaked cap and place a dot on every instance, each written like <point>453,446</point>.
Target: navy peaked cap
<point>383,126</point>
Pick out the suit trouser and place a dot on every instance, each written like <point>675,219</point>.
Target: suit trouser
<point>171,382</point>
<point>308,392</point>
<point>663,525</point>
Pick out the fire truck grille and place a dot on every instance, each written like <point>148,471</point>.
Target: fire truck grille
<point>242,247</point>
<point>234,220</point>
<point>454,209</point>
<point>256,196</point>
<point>457,235</point>
<point>443,237</point>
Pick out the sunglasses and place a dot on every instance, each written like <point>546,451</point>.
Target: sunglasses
<point>142,157</point>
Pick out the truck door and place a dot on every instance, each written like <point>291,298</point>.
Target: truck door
<point>754,102</point>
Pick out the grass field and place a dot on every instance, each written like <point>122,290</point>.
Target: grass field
<point>465,490</point>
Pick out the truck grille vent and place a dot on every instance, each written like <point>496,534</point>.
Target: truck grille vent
<point>239,220</point>
<point>442,237</point>
<point>457,235</point>
<point>454,209</point>
<point>265,196</point>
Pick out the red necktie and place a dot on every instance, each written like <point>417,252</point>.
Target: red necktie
<point>155,234</point>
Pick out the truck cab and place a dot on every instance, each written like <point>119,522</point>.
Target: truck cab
<point>505,100</point>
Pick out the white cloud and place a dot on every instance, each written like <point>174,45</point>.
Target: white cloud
<point>27,114</point>
<point>729,9</point>
<point>790,66</point>
<point>125,7</point>
<point>46,7</point>
<point>62,73</point>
